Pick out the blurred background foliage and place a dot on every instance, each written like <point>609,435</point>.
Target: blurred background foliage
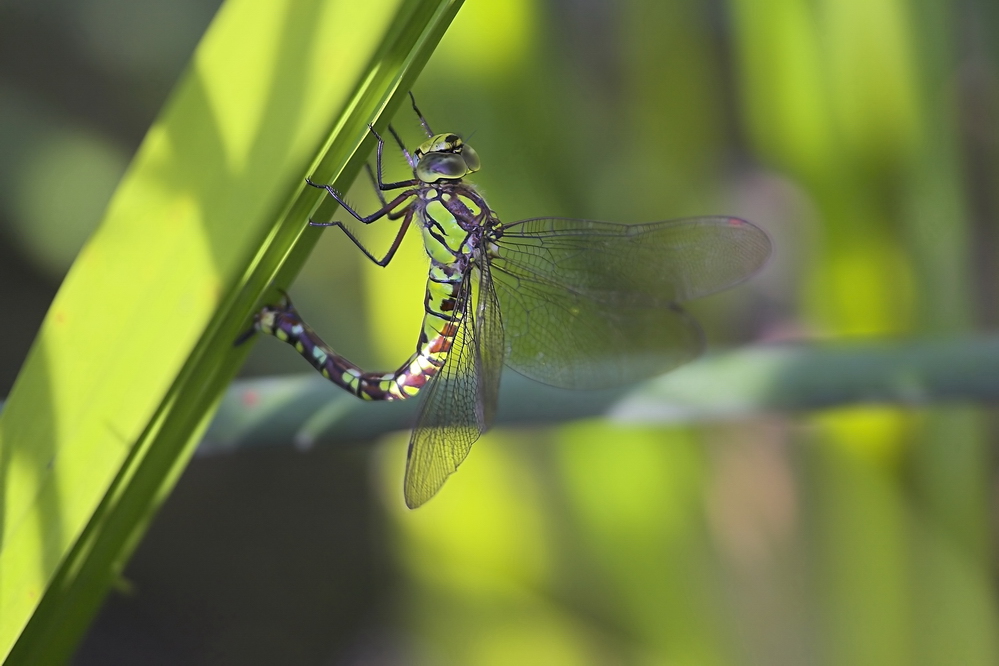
<point>861,135</point>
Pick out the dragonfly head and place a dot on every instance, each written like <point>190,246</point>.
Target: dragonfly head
<point>445,157</point>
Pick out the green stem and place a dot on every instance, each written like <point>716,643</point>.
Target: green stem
<point>308,410</point>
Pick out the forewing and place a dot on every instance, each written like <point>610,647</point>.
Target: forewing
<point>458,405</point>
<point>594,304</point>
<point>642,264</point>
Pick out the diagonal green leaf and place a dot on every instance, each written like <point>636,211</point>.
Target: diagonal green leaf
<point>136,349</point>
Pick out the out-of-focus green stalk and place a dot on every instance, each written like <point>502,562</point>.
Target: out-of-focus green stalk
<point>307,411</point>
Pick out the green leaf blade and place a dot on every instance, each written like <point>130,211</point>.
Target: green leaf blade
<point>137,346</point>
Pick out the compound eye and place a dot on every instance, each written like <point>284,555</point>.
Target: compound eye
<point>434,166</point>
<point>471,158</point>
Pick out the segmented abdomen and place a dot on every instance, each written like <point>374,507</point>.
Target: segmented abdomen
<point>440,325</point>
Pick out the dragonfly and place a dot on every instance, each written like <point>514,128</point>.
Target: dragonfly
<point>571,303</point>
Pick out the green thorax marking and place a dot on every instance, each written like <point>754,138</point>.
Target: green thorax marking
<point>448,220</point>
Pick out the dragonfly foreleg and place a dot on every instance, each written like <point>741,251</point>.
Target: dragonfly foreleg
<point>383,186</point>
<point>384,261</point>
<point>423,121</point>
<point>374,183</point>
<point>365,219</point>
<point>405,151</point>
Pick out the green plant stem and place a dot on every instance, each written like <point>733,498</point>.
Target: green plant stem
<point>306,410</point>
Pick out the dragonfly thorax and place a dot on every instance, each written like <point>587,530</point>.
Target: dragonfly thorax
<point>444,157</point>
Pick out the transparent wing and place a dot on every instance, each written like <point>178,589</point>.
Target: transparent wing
<point>594,304</point>
<point>489,343</point>
<point>460,400</point>
<point>563,339</point>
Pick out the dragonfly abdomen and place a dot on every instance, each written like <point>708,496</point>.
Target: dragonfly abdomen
<point>284,323</point>
<point>441,321</point>
<point>440,325</point>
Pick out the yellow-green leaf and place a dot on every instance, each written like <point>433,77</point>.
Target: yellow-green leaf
<point>138,345</point>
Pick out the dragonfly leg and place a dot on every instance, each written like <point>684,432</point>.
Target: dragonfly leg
<point>384,261</point>
<point>366,219</point>
<point>378,161</point>
<point>402,147</point>
<point>387,210</point>
<point>381,196</point>
<point>423,121</point>
<point>374,183</point>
